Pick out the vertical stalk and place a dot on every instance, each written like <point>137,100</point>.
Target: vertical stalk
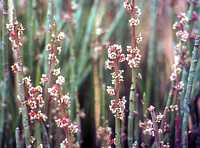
<point>117,133</point>
<point>187,96</point>
<point>29,22</point>
<point>155,127</point>
<point>97,91</point>
<point>151,52</point>
<point>131,111</point>
<point>4,77</point>
<point>17,137</point>
<point>132,90</point>
<point>49,20</point>
<point>19,80</point>
<point>103,118</point>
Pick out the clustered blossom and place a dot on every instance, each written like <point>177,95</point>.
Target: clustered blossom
<point>175,73</point>
<point>134,11</point>
<point>183,20</point>
<point>51,87</point>
<point>153,125</point>
<point>34,100</point>
<point>15,32</point>
<point>182,34</point>
<point>54,47</point>
<point>104,134</point>
<point>147,127</point>
<point>62,122</point>
<point>61,101</point>
<point>115,57</point>
<point>175,76</point>
<point>133,57</point>
<point>117,107</point>
<point>172,108</point>
<point>117,76</point>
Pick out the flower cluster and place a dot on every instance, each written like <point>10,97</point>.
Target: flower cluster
<point>34,100</point>
<point>104,135</point>
<point>175,76</point>
<point>117,107</point>
<point>115,57</point>
<point>55,82</point>
<point>175,73</point>
<point>151,126</point>
<point>147,127</point>
<point>15,32</point>
<point>117,76</point>
<point>172,108</point>
<point>180,25</point>
<point>133,57</point>
<point>134,11</point>
<point>54,47</point>
<point>182,32</point>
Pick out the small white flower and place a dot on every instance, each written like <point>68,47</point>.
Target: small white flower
<point>110,90</point>
<point>134,22</point>
<point>60,80</point>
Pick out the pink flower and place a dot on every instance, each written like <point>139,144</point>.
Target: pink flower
<point>117,107</point>
<point>16,68</point>
<point>54,91</point>
<point>110,90</point>
<point>60,80</point>
<point>128,6</point>
<point>64,100</point>
<point>62,122</point>
<point>133,57</point>
<point>134,22</point>
<point>151,108</point>
<point>183,35</point>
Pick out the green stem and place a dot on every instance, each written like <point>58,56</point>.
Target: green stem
<point>151,52</point>
<point>187,96</point>
<point>19,81</point>
<point>49,20</point>
<point>29,21</point>
<point>117,133</point>
<point>155,127</point>
<point>4,73</point>
<point>131,111</point>
<point>17,137</point>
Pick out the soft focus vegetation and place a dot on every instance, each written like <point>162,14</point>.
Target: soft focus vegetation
<point>99,73</point>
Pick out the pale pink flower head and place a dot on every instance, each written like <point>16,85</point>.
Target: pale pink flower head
<point>110,90</point>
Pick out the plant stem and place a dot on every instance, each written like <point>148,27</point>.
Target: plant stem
<point>97,91</point>
<point>131,111</point>
<point>4,73</point>
<point>19,80</point>
<point>117,133</point>
<point>17,137</point>
<point>29,21</point>
<point>155,127</point>
<point>151,52</point>
<point>187,96</point>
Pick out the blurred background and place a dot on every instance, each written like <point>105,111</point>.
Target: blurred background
<point>90,26</point>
